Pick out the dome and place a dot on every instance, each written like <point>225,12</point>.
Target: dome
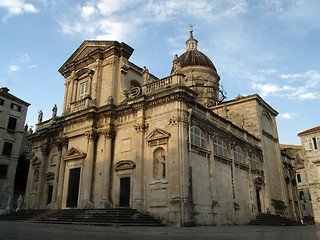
<point>195,58</point>
<point>192,56</point>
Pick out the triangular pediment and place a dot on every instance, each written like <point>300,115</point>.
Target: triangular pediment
<point>157,134</point>
<point>85,48</point>
<point>74,153</point>
<point>90,48</point>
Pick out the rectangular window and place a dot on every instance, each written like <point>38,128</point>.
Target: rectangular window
<point>3,170</point>
<point>12,123</point>
<point>7,148</point>
<point>1,101</point>
<point>15,107</point>
<point>315,143</point>
<point>83,90</point>
<point>298,177</point>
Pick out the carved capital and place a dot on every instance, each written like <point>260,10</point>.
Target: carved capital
<point>140,127</point>
<point>178,119</point>
<point>61,142</point>
<point>92,135</point>
<point>108,133</point>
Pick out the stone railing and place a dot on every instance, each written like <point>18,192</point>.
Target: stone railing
<point>80,104</point>
<point>163,83</point>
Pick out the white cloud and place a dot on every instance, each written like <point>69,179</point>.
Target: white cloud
<point>15,7</point>
<point>134,16</point>
<point>87,11</point>
<point>268,89</point>
<point>285,115</point>
<point>301,86</point>
<point>268,71</point>
<point>13,68</point>
<point>309,95</point>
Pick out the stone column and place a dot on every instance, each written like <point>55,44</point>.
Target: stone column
<point>59,178</point>
<point>87,171</point>
<point>75,91</point>
<point>45,150</point>
<point>105,197</point>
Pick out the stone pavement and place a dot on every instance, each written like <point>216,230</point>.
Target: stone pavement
<point>35,231</point>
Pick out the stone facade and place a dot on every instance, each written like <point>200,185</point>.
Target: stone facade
<point>13,113</point>
<point>292,158</point>
<point>165,146</point>
<point>310,140</point>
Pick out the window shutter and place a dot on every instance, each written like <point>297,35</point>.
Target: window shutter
<point>306,145</point>
<point>310,142</point>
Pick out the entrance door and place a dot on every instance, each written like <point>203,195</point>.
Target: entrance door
<point>50,191</point>
<point>258,200</point>
<point>73,187</point>
<point>124,192</point>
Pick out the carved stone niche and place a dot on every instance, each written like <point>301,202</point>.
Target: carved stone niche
<point>73,154</point>
<point>158,137</point>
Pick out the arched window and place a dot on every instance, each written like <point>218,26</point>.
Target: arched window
<point>197,137</point>
<point>238,155</point>
<point>220,147</point>
<point>255,162</point>
<point>266,124</point>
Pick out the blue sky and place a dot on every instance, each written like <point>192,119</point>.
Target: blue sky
<point>269,47</point>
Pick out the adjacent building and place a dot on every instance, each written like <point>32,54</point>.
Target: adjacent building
<point>292,159</point>
<point>310,140</point>
<point>167,146</point>
<point>12,131</point>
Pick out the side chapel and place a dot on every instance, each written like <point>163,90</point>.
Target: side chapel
<point>171,147</point>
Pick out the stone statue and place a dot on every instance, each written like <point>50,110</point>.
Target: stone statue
<point>19,203</point>
<point>40,116</point>
<point>8,208</point>
<point>176,65</point>
<point>161,167</point>
<point>54,111</point>
<point>145,75</point>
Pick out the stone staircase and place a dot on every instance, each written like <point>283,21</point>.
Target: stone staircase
<point>273,220</point>
<point>101,217</point>
<point>24,215</point>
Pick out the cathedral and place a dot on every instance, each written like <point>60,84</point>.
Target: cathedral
<point>172,147</point>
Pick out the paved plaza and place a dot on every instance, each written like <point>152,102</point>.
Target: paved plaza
<point>35,231</point>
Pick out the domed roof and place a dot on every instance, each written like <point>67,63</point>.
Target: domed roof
<point>195,58</point>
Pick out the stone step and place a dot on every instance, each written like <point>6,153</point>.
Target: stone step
<point>102,217</point>
<point>273,220</point>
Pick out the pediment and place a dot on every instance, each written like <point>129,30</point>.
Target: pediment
<point>258,181</point>
<point>124,165</point>
<point>35,162</point>
<point>74,153</point>
<point>157,134</point>
<point>85,48</point>
<point>92,49</point>
<point>49,176</point>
